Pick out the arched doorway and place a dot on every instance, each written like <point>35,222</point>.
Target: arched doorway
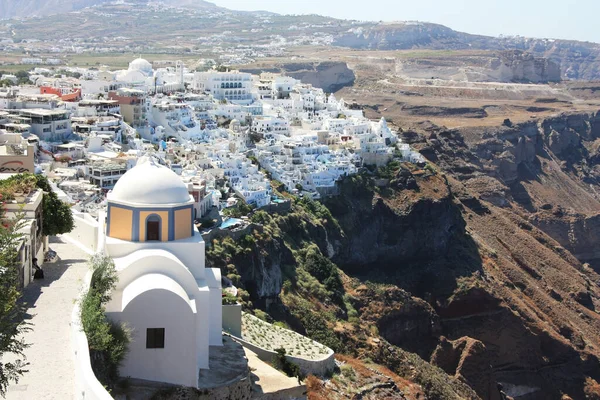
<point>153,228</point>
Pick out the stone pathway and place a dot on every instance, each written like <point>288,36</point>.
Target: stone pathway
<point>50,304</point>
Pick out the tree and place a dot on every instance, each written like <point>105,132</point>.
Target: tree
<point>12,323</point>
<point>23,77</point>
<point>58,217</point>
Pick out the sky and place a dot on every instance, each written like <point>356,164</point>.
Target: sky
<point>564,19</point>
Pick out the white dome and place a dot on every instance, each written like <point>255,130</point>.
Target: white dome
<point>149,183</point>
<point>139,64</point>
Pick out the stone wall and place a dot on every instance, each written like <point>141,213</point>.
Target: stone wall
<point>240,390</point>
<point>280,208</point>
<point>235,235</point>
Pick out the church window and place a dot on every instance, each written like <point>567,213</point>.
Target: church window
<point>155,338</point>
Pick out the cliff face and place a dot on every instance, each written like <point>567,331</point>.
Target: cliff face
<point>577,60</point>
<point>385,229</point>
<point>401,36</point>
<point>524,67</point>
<point>329,76</point>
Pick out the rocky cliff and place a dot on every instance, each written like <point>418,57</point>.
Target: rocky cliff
<point>467,263</point>
<point>329,76</point>
<point>517,66</point>
<point>577,60</point>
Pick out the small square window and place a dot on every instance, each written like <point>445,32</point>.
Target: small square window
<point>155,338</point>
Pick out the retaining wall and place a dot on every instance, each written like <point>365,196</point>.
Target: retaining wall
<point>316,367</point>
<point>280,208</point>
<point>235,235</point>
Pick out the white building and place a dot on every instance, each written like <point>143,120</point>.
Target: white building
<point>166,296</point>
<point>233,86</point>
<point>267,126</point>
<point>50,125</point>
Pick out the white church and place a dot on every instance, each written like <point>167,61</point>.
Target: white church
<point>165,295</point>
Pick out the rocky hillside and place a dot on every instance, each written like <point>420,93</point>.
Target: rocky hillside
<point>460,277</point>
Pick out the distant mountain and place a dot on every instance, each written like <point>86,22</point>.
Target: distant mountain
<point>39,8</point>
<point>145,23</point>
<point>29,8</point>
<point>191,4</point>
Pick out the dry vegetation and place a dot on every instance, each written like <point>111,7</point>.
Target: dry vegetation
<point>272,337</point>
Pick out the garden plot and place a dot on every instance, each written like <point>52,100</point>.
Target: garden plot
<point>271,337</point>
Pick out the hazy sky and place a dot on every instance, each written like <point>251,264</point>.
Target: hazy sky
<point>561,19</point>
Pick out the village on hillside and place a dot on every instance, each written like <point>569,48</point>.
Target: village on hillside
<point>153,161</point>
<point>226,134</point>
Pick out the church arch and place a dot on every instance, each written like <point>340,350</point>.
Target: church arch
<point>153,227</point>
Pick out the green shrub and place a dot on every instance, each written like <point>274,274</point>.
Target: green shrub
<point>240,210</point>
<point>107,341</point>
<point>310,285</point>
<point>229,299</point>
<point>287,367</point>
<point>348,372</point>
<point>58,217</point>
<point>315,208</point>
<point>325,271</point>
<point>247,241</point>
<point>235,279</point>
<point>262,315</point>
<point>430,168</point>
<point>261,217</point>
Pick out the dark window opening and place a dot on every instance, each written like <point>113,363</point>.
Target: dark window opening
<point>155,338</point>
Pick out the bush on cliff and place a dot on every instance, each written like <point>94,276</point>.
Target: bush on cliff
<point>325,271</point>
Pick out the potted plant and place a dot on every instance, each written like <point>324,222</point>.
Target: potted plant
<point>19,192</point>
<point>29,183</point>
<point>7,192</point>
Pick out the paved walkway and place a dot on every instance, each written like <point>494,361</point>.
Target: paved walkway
<point>50,304</point>
<point>269,383</point>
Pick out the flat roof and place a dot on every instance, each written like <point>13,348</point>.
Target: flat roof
<point>108,166</point>
<point>42,111</point>
<point>69,145</point>
<point>96,102</point>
